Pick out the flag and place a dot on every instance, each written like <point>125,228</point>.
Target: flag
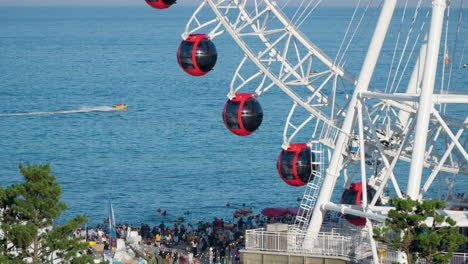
<point>111,217</point>
<point>112,231</point>
<point>446,57</point>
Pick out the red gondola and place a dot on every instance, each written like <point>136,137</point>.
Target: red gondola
<point>242,114</point>
<point>295,164</point>
<point>160,4</point>
<point>197,55</point>
<point>353,195</point>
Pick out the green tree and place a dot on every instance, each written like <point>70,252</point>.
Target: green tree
<point>27,213</point>
<point>406,230</point>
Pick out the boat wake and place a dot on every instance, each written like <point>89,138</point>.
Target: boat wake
<point>83,109</point>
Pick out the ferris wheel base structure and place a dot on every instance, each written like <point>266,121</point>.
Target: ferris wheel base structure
<point>252,256</point>
<point>331,247</point>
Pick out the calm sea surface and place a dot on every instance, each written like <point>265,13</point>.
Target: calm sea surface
<point>170,150</point>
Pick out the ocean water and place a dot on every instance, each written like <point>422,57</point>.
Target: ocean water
<point>169,150</point>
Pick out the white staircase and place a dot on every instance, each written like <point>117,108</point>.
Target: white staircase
<point>311,193</point>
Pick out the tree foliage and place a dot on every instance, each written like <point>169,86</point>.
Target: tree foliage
<point>406,229</point>
<point>27,213</point>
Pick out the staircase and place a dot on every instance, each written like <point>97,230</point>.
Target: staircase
<point>309,199</point>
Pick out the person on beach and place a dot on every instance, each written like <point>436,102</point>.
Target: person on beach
<point>194,246</point>
<point>175,238</point>
<point>237,256</point>
<point>222,252</point>
<point>210,256</point>
<point>162,226</point>
<point>144,231</point>
<point>158,239</point>
<point>154,231</point>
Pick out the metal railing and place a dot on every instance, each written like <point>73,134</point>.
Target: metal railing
<point>327,244</point>
<point>355,246</point>
<point>392,256</point>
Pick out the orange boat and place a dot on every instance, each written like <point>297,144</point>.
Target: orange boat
<point>243,211</point>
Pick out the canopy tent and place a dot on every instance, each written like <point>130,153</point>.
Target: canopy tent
<point>279,211</point>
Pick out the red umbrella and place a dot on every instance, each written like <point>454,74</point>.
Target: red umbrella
<point>292,210</point>
<point>274,212</point>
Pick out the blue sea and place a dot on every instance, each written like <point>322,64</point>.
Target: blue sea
<point>169,150</point>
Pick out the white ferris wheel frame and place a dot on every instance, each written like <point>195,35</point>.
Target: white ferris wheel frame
<point>416,106</point>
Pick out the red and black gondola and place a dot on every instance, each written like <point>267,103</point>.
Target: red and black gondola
<point>295,164</point>
<point>353,195</point>
<point>243,114</point>
<point>160,4</point>
<point>197,55</point>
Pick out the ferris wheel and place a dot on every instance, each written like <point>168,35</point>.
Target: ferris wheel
<point>399,136</point>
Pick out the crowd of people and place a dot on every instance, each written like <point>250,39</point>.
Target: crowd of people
<point>206,242</point>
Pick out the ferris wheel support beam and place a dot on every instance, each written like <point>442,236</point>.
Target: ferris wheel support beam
<point>436,98</point>
<point>441,162</point>
<point>425,100</point>
<point>367,71</point>
<point>450,134</point>
<point>380,213</point>
<point>364,182</point>
<point>381,151</point>
<point>415,81</point>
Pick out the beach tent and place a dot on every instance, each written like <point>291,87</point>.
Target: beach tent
<point>274,212</point>
<point>279,211</point>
